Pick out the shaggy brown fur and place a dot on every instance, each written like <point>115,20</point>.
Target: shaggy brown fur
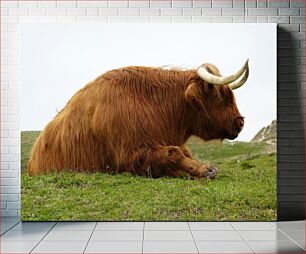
<point>137,119</point>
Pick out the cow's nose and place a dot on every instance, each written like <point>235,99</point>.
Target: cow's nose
<point>240,123</point>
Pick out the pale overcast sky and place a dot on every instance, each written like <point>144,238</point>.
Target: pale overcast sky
<point>59,59</point>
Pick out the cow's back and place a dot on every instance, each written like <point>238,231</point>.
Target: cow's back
<point>106,121</point>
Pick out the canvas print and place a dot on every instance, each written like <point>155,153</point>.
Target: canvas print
<point>155,122</point>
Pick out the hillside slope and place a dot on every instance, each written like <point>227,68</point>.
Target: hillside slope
<point>266,134</point>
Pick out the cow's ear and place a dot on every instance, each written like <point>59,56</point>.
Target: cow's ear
<point>193,95</point>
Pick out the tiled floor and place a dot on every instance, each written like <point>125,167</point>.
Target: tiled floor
<point>152,237</point>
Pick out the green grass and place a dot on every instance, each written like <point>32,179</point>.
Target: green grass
<point>244,189</point>
<point>27,140</point>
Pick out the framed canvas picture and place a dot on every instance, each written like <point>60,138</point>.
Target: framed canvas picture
<point>154,122</point>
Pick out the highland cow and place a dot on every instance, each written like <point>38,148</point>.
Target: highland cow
<point>137,119</point>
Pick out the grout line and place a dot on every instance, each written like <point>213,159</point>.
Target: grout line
<point>90,237</point>
<point>193,237</point>
<point>283,232</point>
<point>273,225</point>
<point>10,228</point>
<point>143,232</point>
<point>42,238</point>
<point>247,243</point>
<point>232,226</point>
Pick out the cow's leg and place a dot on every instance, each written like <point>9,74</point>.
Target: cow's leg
<point>186,152</point>
<point>212,171</point>
<point>174,161</point>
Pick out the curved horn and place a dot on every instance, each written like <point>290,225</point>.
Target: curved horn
<point>215,80</point>
<point>241,81</point>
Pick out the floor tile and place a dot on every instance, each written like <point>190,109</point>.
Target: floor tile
<point>166,226</point>
<point>216,236</point>
<point>114,247</point>
<point>23,236</point>
<point>168,236</point>
<point>252,225</point>
<point>107,236</point>
<point>273,235</point>
<point>223,247</point>
<point>224,226</point>
<point>60,247</point>
<point>276,247</point>
<point>68,236</point>
<point>33,226</point>
<point>17,247</point>
<point>8,224</point>
<point>296,235</point>
<point>3,230</point>
<point>119,226</point>
<point>169,247</point>
<point>4,226</point>
<point>301,243</point>
<point>291,225</point>
<point>273,223</point>
<point>63,226</point>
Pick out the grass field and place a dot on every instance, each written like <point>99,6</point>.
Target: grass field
<point>244,189</point>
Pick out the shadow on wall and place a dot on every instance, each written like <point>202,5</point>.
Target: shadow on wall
<point>290,129</point>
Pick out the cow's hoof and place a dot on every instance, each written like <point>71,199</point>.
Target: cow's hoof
<point>212,172</point>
